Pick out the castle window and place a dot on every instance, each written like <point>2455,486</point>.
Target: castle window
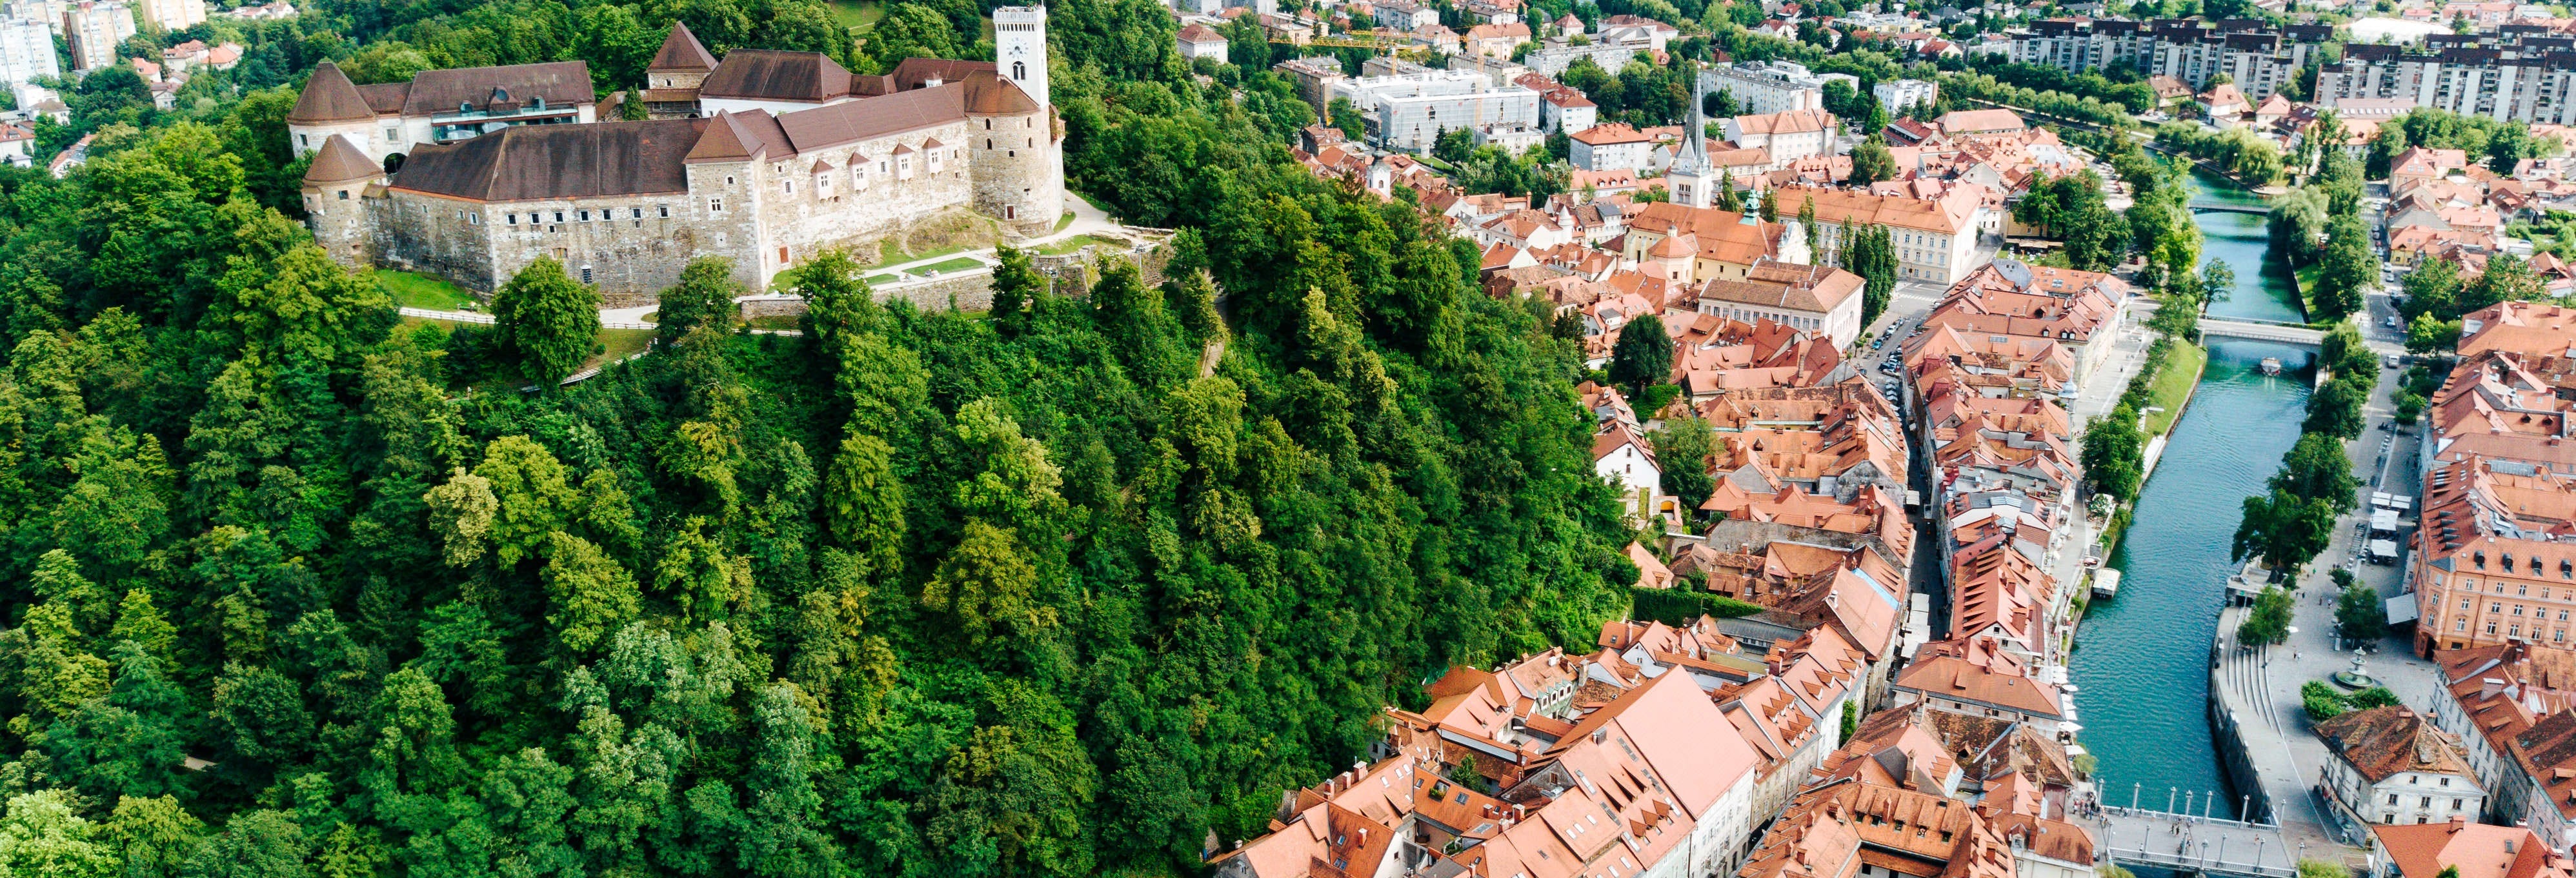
<point>790,185</point>
<point>665,210</point>
<point>585,216</point>
<point>715,205</point>
<point>558,216</point>
<point>344,194</point>
<point>303,140</point>
<point>585,275</point>
<point>510,219</point>
<point>473,219</point>
<point>393,135</point>
<point>1019,70</point>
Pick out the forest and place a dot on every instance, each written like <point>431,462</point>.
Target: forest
<point>1074,587</point>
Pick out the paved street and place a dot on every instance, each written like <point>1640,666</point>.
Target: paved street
<point>2264,684</point>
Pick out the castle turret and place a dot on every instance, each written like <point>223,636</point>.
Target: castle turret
<point>672,80</point>
<point>331,105</point>
<point>336,187</point>
<point>1013,150</point>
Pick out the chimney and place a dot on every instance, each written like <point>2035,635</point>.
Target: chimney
<point>2458,822</point>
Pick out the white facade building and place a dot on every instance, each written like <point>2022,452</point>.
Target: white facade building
<point>1898,95</point>
<point>1772,87</point>
<point>26,52</point>
<point>1408,112</point>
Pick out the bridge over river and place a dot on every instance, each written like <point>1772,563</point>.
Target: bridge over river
<point>2185,843</point>
<point>2260,330</point>
<point>2247,209</point>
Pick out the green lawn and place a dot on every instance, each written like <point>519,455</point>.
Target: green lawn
<point>1066,221</point>
<point>410,290</point>
<point>1067,245</point>
<point>857,15</point>
<point>893,254</point>
<point>962,263</point>
<point>2172,386</point>
<point>620,344</point>
<point>875,279</point>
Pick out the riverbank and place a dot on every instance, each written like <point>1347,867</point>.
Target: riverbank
<point>2144,669</point>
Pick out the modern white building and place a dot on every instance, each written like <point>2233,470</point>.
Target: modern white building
<point>1408,112</point>
<point>1899,95</point>
<point>26,52</point>
<point>1768,87</point>
<point>2508,78</point>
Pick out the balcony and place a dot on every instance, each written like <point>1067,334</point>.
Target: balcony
<point>468,123</point>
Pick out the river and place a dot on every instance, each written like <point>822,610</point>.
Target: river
<point>2141,664</point>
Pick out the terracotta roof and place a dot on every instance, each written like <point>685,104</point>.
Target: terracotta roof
<point>2477,850</point>
<point>1610,133</point>
<point>1789,122</point>
<point>2383,741</point>
<point>528,162</point>
<point>340,161</point>
<point>1200,33</point>
<point>1959,678</point>
<point>1973,121</point>
<point>329,96</point>
<point>1814,289</point>
<point>682,51</point>
<point>772,75</point>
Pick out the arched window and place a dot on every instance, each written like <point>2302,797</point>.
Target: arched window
<point>1019,70</point>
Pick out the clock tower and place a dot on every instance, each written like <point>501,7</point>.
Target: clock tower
<point>1020,48</point>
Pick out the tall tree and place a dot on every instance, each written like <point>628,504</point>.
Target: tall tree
<point>544,322</point>
<point>1643,355</point>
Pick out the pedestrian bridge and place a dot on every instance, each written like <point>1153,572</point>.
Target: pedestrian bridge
<point>2259,330</point>
<point>2247,209</point>
<point>2185,843</point>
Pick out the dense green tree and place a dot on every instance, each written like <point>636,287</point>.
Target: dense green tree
<point>2317,469</point>
<point>703,297</point>
<point>2269,622</point>
<point>1684,448</point>
<point>1643,355</point>
<point>2360,613</point>
<point>2115,454</point>
<point>2283,529</point>
<point>544,322</point>
<point>1871,162</point>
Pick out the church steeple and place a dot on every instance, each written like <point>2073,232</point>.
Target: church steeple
<point>1689,179</point>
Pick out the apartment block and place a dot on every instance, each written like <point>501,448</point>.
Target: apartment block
<point>1772,87</point>
<point>2256,57</point>
<point>1408,112</point>
<point>26,52</point>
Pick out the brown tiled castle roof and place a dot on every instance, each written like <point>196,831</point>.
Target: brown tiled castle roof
<point>528,162</point>
<point>329,96</point>
<point>341,161</point>
<point>771,75</point>
<point>682,51</point>
<point>561,83</point>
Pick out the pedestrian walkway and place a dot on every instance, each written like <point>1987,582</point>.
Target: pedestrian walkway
<point>2186,843</point>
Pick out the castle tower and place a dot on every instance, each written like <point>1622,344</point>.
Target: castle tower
<point>1020,48</point>
<point>1691,180</point>
<point>672,80</point>
<point>332,105</point>
<point>335,193</point>
<point>1014,156</point>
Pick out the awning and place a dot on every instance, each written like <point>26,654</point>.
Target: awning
<point>2383,520</point>
<point>2383,548</point>
<point>2401,609</point>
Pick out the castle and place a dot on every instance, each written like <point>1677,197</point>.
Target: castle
<point>767,158</point>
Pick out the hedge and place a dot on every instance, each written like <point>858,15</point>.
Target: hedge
<point>1674,606</point>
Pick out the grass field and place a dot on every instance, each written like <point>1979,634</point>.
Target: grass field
<point>2172,386</point>
<point>875,279</point>
<point>1066,221</point>
<point>620,344</point>
<point>1067,245</point>
<point>409,290</point>
<point>962,263</point>
<point>857,15</point>
<point>893,254</point>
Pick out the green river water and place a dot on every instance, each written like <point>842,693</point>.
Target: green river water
<point>2142,660</point>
